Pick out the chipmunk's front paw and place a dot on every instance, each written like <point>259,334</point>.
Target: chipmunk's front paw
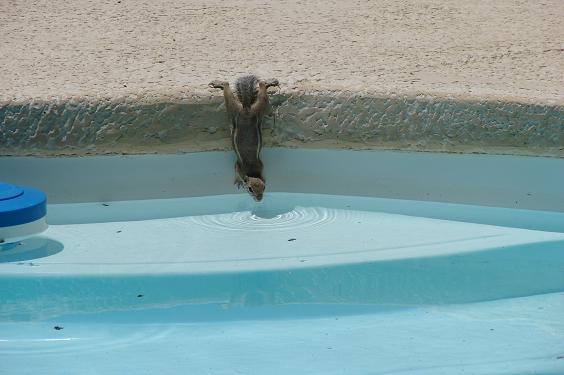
<point>217,84</point>
<point>271,82</point>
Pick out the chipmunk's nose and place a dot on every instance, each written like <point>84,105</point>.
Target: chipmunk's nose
<point>256,196</point>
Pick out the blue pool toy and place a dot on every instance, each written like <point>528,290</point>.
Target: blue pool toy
<point>22,212</point>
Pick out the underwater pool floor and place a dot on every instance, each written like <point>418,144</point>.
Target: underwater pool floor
<point>298,284</point>
<point>514,336</point>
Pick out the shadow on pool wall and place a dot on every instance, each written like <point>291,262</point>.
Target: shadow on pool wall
<point>509,272</point>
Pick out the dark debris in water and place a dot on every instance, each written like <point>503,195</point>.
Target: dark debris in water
<point>139,295</point>
<point>105,204</point>
<point>31,264</point>
<point>58,328</point>
<point>291,239</point>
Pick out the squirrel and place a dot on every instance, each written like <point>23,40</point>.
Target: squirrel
<point>246,108</point>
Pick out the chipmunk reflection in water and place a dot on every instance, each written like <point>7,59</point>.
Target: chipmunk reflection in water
<point>247,107</point>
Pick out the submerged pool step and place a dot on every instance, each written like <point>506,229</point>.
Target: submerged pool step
<point>457,278</point>
<point>462,278</point>
<point>272,255</point>
<point>238,240</point>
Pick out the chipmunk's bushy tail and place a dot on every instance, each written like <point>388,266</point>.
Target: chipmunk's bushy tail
<point>246,90</point>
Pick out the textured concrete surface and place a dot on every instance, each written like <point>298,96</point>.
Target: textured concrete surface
<point>131,76</point>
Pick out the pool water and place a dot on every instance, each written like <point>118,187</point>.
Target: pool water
<point>296,284</point>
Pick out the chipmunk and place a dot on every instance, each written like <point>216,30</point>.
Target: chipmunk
<point>247,108</point>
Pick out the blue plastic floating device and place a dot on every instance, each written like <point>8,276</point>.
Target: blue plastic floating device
<point>22,212</point>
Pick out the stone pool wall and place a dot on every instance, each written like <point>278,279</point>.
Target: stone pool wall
<point>302,119</point>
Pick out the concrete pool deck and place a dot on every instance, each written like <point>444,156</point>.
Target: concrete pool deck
<point>131,77</point>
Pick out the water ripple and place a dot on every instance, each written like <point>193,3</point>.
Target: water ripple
<point>299,217</point>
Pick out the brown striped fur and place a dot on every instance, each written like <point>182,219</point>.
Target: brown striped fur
<point>247,107</point>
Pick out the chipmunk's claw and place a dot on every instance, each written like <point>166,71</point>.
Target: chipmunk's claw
<point>217,84</point>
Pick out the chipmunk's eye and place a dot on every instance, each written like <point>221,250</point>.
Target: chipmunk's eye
<point>251,189</point>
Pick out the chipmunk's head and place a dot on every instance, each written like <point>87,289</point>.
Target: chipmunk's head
<point>255,187</point>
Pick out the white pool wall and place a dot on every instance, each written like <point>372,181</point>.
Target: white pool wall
<point>532,183</point>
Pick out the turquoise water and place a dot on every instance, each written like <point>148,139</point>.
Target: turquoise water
<point>300,284</point>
